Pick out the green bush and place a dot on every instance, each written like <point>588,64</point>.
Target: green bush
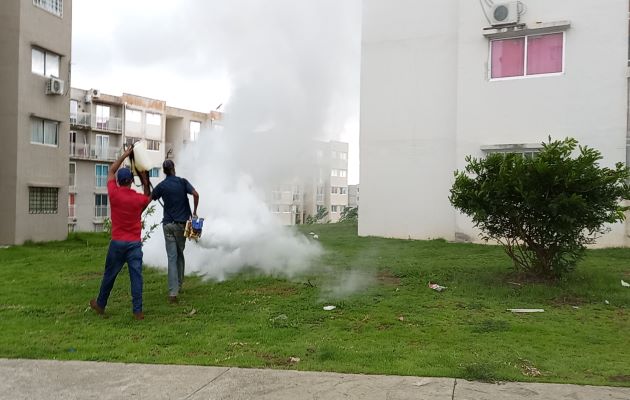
<point>349,214</point>
<point>542,209</point>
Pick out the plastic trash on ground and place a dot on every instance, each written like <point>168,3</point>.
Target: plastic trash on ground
<point>329,308</point>
<point>624,283</point>
<point>436,287</point>
<point>526,310</point>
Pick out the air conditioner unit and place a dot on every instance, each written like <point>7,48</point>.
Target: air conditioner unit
<point>505,13</point>
<point>54,86</point>
<point>94,93</point>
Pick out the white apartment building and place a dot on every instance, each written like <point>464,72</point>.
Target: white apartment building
<point>444,79</point>
<point>100,124</point>
<point>327,188</point>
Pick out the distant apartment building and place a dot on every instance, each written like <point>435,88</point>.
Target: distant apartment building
<point>353,196</point>
<point>35,46</point>
<point>100,125</point>
<point>443,80</point>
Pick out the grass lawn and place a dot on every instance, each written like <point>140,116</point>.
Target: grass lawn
<point>396,325</point>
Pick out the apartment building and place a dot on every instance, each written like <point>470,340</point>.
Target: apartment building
<point>100,125</point>
<point>35,45</point>
<point>353,196</point>
<point>442,80</point>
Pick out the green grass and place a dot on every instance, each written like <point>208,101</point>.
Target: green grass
<point>395,325</point>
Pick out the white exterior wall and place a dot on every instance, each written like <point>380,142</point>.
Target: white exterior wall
<point>408,107</point>
<point>427,102</point>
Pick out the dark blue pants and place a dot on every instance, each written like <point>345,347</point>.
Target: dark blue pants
<point>120,252</point>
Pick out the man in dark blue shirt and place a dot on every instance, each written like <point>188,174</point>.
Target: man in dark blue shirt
<point>174,191</point>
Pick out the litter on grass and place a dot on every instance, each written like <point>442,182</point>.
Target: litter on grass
<point>329,308</point>
<point>606,302</point>
<point>624,283</point>
<point>315,236</point>
<point>436,287</point>
<point>526,310</point>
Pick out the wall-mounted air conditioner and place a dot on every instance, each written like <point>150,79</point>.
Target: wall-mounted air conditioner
<point>95,93</point>
<point>54,86</point>
<point>504,13</point>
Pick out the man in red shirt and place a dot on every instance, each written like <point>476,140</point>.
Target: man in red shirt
<point>126,246</point>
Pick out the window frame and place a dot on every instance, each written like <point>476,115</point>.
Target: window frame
<point>102,206</point>
<point>43,121</point>
<point>42,201</point>
<point>525,56</point>
<point>194,136</point>
<point>46,53</point>
<point>48,7</point>
<point>100,178</point>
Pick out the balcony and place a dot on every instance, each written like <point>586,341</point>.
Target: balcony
<point>107,124</point>
<point>90,152</point>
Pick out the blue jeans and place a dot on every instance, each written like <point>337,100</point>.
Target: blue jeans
<point>175,244</point>
<point>120,252</point>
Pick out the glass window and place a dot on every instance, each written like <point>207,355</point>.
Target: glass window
<point>508,57</point>
<point>100,205</point>
<point>154,172</point>
<point>153,145</point>
<point>44,131</point>
<point>195,128</point>
<point>38,61</point>
<point>101,171</point>
<point>544,54</point>
<point>154,119</point>
<point>71,205</point>
<point>102,116</point>
<point>334,190</point>
<point>74,111</point>
<point>343,173</point>
<point>343,190</point>
<point>129,140</point>
<point>133,115</point>
<point>52,6</point>
<point>72,170</point>
<point>526,56</point>
<point>44,62</point>
<point>42,200</point>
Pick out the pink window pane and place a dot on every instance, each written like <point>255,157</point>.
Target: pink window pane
<point>544,54</point>
<point>508,58</point>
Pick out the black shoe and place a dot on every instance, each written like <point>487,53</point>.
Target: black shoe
<point>98,309</point>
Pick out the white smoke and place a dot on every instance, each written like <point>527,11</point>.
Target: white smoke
<point>291,64</point>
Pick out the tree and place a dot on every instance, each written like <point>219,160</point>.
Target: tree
<point>543,209</point>
<point>322,212</point>
<point>349,214</point>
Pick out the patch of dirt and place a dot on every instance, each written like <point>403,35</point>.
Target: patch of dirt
<point>272,360</point>
<point>88,276</point>
<point>619,378</point>
<point>385,277</point>
<point>517,279</point>
<point>567,300</point>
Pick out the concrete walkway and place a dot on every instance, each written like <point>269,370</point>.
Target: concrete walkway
<point>34,380</point>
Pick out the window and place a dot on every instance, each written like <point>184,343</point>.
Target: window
<point>44,62</point>
<point>154,172</point>
<point>343,156</point>
<point>74,111</point>
<point>100,205</point>
<point>72,170</point>
<point>101,147</point>
<point>42,200</point>
<point>334,190</point>
<point>195,128</point>
<point>343,190</point>
<point>101,174</point>
<point>129,140</point>
<point>71,205</point>
<point>102,116</point>
<point>343,173</point>
<point>335,208</point>
<point>154,119</point>
<point>44,131</point>
<point>133,115</point>
<point>52,6</point>
<point>334,172</point>
<point>527,56</point>
<point>153,145</point>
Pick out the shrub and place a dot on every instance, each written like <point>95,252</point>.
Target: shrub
<point>542,209</point>
<point>349,214</point>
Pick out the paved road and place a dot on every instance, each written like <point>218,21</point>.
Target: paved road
<point>51,380</point>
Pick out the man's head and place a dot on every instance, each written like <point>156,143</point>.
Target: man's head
<point>169,167</point>
<point>124,177</point>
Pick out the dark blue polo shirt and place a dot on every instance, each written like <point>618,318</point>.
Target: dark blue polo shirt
<point>174,190</point>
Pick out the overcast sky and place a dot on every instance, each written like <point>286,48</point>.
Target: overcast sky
<point>194,54</point>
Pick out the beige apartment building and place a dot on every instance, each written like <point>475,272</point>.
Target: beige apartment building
<point>100,124</point>
<point>35,45</point>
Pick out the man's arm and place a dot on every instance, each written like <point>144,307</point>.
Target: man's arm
<point>111,174</point>
<point>195,201</point>
<point>146,184</point>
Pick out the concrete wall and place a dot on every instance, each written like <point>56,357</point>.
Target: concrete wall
<point>408,108</point>
<point>427,102</point>
<point>34,165</point>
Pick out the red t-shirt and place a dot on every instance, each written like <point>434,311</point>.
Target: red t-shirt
<point>127,206</point>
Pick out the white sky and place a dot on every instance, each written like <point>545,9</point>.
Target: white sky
<point>184,51</point>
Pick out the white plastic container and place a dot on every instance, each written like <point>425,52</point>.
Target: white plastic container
<point>141,158</point>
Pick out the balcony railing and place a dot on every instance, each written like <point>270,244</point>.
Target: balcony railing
<point>90,152</point>
<point>85,120</point>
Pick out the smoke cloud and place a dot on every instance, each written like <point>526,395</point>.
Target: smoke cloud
<point>290,65</point>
